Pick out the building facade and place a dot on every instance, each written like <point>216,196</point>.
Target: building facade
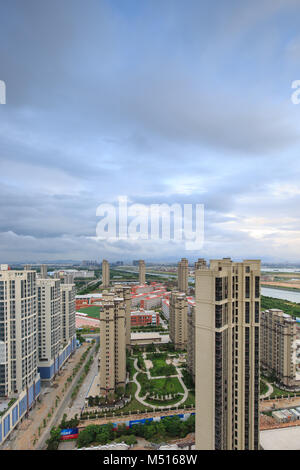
<point>142,272</point>
<point>43,271</point>
<point>105,273</point>
<point>191,341</point>
<point>112,375</point>
<point>227,319</point>
<point>19,377</point>
<point>178,319</point>
<point>144,318</point>
<point>125,293</point>
<point>68,312</point>
<point>279,344</point>
<point>183,275</point>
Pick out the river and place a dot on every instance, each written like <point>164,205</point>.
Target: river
<point>281,294</point>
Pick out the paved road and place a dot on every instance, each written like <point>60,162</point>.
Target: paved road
<point>269,392</point>
<point>62,408</point>
<point>79,401</point>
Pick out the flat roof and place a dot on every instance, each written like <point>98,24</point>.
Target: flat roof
<point>147,335</point>
<point>281,439</point>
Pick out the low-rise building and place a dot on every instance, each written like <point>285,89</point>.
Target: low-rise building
<point>144,318</point>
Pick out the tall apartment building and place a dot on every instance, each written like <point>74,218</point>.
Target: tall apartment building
<point>105,273</point>
<point>112,346</point>
<point>191,341</point>
<point>142,272</point>
<point>278,335</point>
<point>201,263</point>
<point>183,275</point>
<point>125,293</point>
<point>18,321</point>
<point>178,319</point>
<point>56,326</point>
<point>19,377</point>
<point>44,271</point>
<point>68,312</point>
<point>227,355</point>
<point>49,324</point>
<point>68,278</point>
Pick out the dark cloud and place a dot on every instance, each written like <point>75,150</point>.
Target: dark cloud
<point>155,101</point>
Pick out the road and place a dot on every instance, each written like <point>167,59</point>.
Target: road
<point>79,401</point>
<point>62,408</point>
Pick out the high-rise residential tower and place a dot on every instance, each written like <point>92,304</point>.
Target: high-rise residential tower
<point>278,335</point>
<point>183,275</point>
<point>19,377</point>
<point>142,272</point>
<point>44,271</point>
<point>227,355</point>
<point>112,374</point>
<point>105,273</point>
<point>49,325</point>
<point>68,312</point>
<point>18,330</point>
<point>125,293</point>
<point>178,319</point>
<point>200,263</point>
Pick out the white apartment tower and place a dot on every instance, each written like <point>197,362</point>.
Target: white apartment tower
<point>227,322</point>
<point>18,330</point>
<point>49,322</point>
<point>68,312</point>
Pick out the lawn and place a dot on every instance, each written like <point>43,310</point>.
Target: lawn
<point>190,399</point>
<point>159,386</point>
<point>263,387</point>
<point>160,367</point>
<point>130,367</point>
<point>93,312</point>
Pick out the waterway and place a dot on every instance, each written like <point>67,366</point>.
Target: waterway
<point>281,294</point>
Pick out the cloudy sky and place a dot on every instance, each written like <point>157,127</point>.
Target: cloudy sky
<point>164,101</point>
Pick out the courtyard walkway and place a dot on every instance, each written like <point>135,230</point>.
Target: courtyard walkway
<point>143,401</point>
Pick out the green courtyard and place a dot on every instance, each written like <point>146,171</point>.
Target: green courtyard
<point>93,312</point>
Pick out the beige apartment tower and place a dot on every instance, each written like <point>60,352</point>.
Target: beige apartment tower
<point>44,271</point>
<point>112,374</point>
<point>201,263</point>
<point>178,319</point>
<point>278,335</point>
<point>227,355</point>
<point>183,275</point>
<point>125,293</point>
<point>142,272</point>
<point>105,273</point>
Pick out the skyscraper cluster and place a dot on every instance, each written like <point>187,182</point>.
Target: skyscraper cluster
<point>37,335</point>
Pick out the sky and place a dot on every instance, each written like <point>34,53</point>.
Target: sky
<point>159,101</point>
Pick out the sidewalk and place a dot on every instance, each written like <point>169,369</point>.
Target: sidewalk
<point>23,437</point>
